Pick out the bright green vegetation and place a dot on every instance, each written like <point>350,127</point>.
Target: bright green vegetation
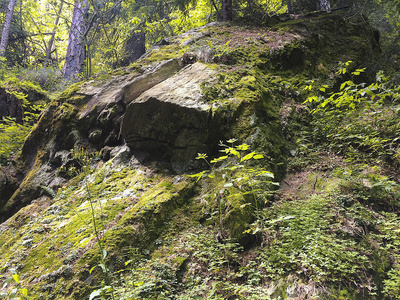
<point>13,131</point>
<point>121,230</point>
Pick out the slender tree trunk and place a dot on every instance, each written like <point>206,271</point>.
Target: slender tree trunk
<point>226,10</point>
<point>323,5</point>
<point>289,7</point>
<point>53,34</point>
<point>7,27</point>
<point>76,52</point>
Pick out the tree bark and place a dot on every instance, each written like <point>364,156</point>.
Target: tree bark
<point>226,10</point>
<point>7,27</point>
<point>289,7</point>
<point>135,47</point>
<point>323,5</point>
<point>53,33</point>
<point>76,51</point>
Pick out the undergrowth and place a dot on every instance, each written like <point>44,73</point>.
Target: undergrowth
<point>13,132</point>
<point>360,120</point>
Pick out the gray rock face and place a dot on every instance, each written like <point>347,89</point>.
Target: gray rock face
<point>170,120</point>
<point>90,118</point>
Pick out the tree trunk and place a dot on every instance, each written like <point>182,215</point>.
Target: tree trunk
<point>226,10</point>
<point>289,7</point>
<point>53,34</point>
<point>323,5</point>
<point>76,52</point>
<point>7,27</point>
<point>135,47</point>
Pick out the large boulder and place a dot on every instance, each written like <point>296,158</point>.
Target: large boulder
<point>171,120</point>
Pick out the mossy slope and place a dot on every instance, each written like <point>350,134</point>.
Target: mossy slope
<point>165,223</point>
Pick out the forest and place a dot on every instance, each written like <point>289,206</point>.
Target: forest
<point>200,149</point>
<point>55,39</point>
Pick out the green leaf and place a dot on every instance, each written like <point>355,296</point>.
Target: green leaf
<point>248,156</point>
<point>128,262</point>
<point>91,270</point>
<point>198,175</point>
<point>258,156</point>
<point>242,147</point>
<point>236,153</point>
<point>103,267</point>
<point>139,283</point>
<point>201,156</point>
<point>215,160</point>
<point>16,278</point>
<point>311,99</point>
<point>266,174</point>
<point>24,292</point>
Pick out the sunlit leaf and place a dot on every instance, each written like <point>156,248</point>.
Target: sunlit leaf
<point>201,156</point>
<point>128,262</point>
<point>104,254</point>
<point>91,270</point>
<point>248,156</point>
<point>16,278</point>
<point>24,292</point>
<point>243,147</point>
<point>215,160</point>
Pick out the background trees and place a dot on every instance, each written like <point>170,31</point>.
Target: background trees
<point>108,34</point>
<point>6,27</point>
<point>76,52</point>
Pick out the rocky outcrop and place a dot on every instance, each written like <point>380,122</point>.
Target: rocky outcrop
<point>87,115</point>
<point>167,112</point>
<point>140,129</point>
<point>171,120</point>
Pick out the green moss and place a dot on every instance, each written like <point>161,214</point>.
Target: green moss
<point>28,87</point>
<point>67,93</point>
<point>173,221</point>
<point>166,53</point>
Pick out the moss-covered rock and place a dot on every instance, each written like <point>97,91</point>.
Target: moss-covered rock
<point>11,105</point>
<point>105,169</point>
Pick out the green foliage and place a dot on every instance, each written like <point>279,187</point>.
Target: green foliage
<point>17,291</point>
<point>194,266</point>
<point>13,133</point>
<point>83,160</point>
<point>390,234</point>
<point>83,168</point>
<point>357,120</point>
<point>45,78</point>
<point>306,237</point>
<point>233,169</point>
